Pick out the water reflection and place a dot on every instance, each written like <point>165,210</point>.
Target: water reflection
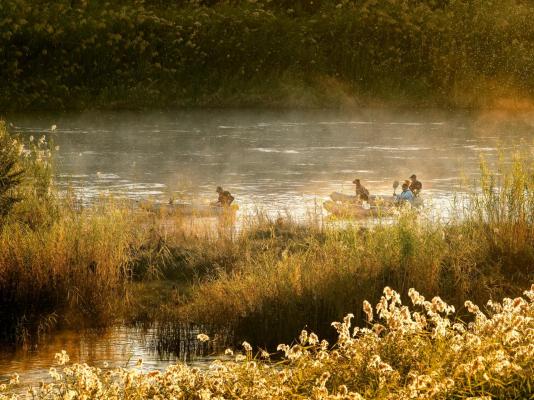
<point>158,347</point>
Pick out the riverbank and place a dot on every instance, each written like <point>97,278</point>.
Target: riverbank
<point>284,277</point>
<point>66,265</point>
<point>64,55</point>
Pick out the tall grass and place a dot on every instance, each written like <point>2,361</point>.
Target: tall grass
<point>63,264</point>
<point>132,53</point>
<point>73,270</point>
<point>58,264</point>
<point>323,274</point>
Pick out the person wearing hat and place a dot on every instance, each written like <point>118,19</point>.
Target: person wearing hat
<point>415,185</point>
<point>361,192</point>
<point>406,195</point>
<point>225,198</point>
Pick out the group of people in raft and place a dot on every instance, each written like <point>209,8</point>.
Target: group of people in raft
<point>411,188</point>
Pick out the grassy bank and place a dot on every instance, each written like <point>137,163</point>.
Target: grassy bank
<point>280,276</point>
<point>65,54</point>
<point>310,279</point>
<point>405,353</point>
<point>60,264</point>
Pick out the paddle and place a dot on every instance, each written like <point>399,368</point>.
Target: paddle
<point>395,186</point>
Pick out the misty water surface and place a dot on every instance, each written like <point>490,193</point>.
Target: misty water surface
<point>277,161</point>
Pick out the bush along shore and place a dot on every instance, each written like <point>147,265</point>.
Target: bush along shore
<point>57,261</point>
<point>66,54</point>
<point>65,265</point>
<point>405,352</point>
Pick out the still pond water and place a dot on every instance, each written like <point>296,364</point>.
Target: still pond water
<point>110,348</point>
<point>274,161</point>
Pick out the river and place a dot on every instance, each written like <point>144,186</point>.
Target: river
<point>274,161</point>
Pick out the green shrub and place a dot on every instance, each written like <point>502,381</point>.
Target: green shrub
<point>10,172</point>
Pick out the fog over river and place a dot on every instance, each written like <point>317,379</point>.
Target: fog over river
<point>273,160</point>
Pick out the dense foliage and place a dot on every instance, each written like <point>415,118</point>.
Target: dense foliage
<point>26,182</point>
<point>56,262</point>
<point>93,53</point>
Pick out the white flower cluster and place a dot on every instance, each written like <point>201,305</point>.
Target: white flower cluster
<point>404,355</point>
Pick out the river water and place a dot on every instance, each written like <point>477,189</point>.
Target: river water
<point>274,161</point>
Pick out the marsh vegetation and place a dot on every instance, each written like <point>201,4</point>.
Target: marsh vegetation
<point>403,353</point>
<point>63,264</point>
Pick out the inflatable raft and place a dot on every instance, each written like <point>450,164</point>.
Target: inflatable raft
<point>195,210</point>
<point>348,209</point>
<point>374,200</point>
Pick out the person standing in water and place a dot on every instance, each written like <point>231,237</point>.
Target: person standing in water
<point>225,198</point>
<point>406,195</point>
<point>361,192</point>
<point>415,185</point>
